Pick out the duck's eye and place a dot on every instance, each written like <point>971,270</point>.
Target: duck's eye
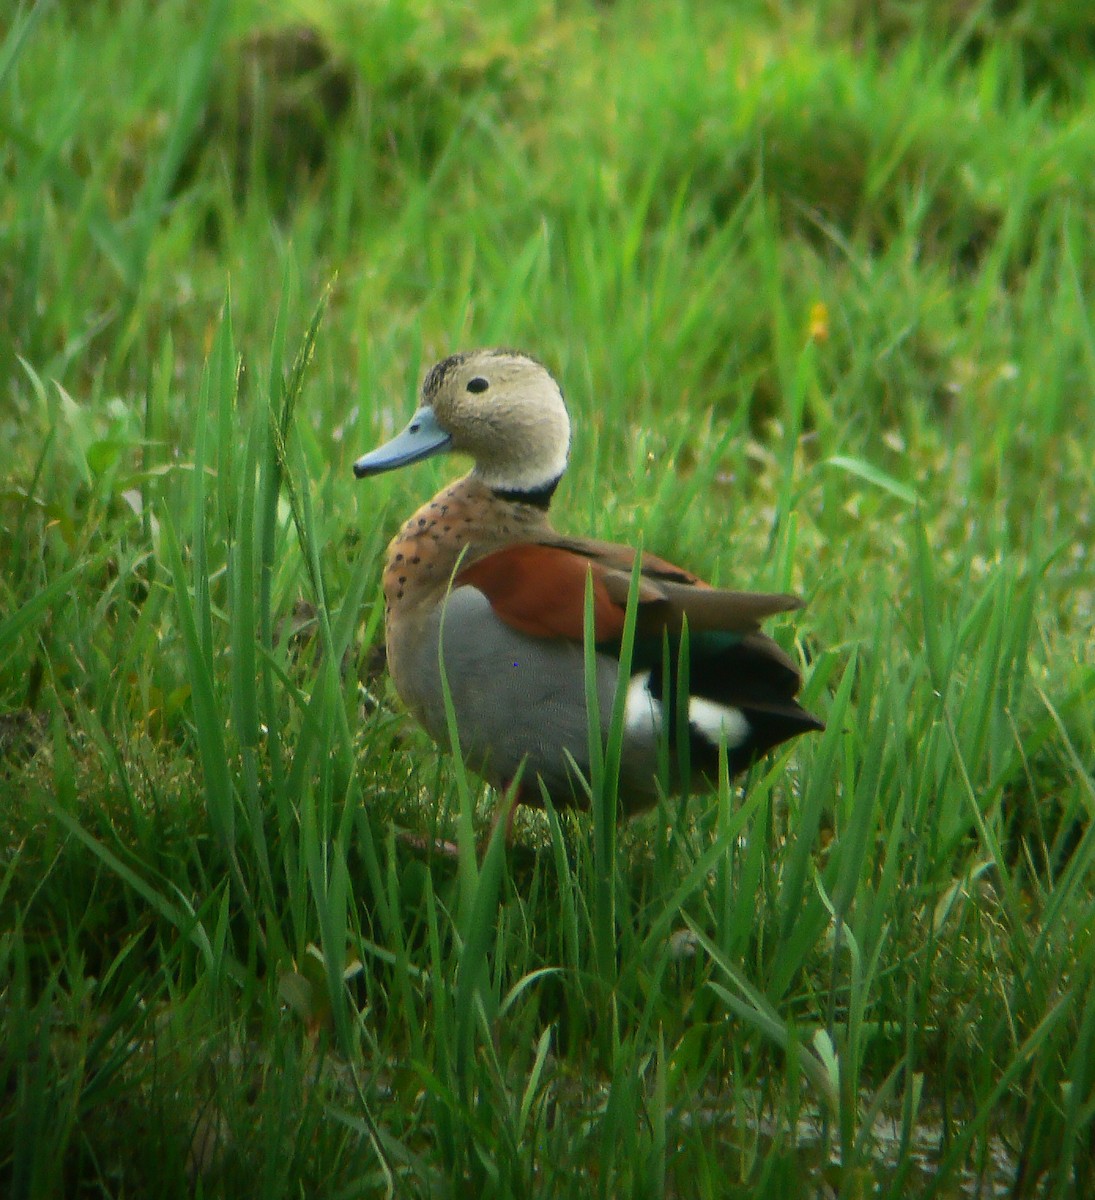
<point>478,384</point>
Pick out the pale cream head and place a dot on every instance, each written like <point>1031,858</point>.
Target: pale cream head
<point>505,410</point>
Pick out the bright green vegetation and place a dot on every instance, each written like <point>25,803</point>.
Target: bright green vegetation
<point>817,280</point>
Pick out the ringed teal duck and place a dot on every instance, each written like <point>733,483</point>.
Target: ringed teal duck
<point>481,571</point>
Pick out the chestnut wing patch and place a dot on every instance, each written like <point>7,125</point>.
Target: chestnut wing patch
<point>540,590</point>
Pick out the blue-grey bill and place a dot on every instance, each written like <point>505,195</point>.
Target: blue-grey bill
<point>422,437</point>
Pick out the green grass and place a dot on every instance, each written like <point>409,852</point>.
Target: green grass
<point>816,280</point>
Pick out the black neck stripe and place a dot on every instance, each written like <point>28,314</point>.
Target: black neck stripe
<point>538,497</point>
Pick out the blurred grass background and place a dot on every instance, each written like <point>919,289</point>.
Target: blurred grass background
<point>816,280</point>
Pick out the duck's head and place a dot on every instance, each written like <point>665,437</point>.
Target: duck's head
<point>501,407</point>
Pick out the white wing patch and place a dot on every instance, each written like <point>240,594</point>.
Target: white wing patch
<point>718,722</point>
<point>715,722</point>
<point>642,713</point>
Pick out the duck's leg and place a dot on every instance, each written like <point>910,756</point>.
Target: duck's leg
<point>511,795</point>
<point>506,809</point>
<point>425,845</point>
